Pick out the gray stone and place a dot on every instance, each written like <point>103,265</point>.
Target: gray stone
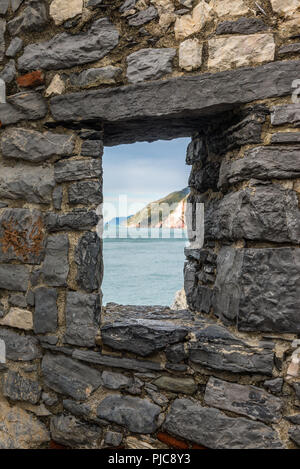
<point>69,431</point>
<point>17,388</point>
<point>15,4</point>
<point>287,114</point>
<point>67,376</point>
<point>79,410</point>
<point>176,353</point>
<point>75,170</point>
<point>135,414</point>
<point>45,317</point>
<point>116,362</point>
<point>2,38</point>
<point>19,347</point>
<point>147,64</point>
<point>274,385</point>
<point>196,151</point>
<point>215,430</point>
<point>143,336</point>
<point>48,399</point>
<point>33,146</point>
<point>286,137</point>
<point>113,438</point>
<point>242,26</point>
<point>14,277</point>
<point>250,401</point>
<point>216,348</point>
<point>82,319</point>
<point>85,193</point>
<point>176,384</point>
<point>294,434</point>
<point>94,3</point>
<point>33,18</point>
<point>14,47</point>
<point>17,299</point>
<point>193,98</point>
<point>296,387</point>
<point>76,220</point>
<point>127,5</point>
<point>4,6</point>
<point>27,183</point>
<point>262,163</point>
<point>143,17</point>
<point>290,49</point>
<point>116,381</point>
<point>295,419</point>
<point>22,236</point>
<point>260,212</point>
<point>96,76</point>
<point>68,50</point>
<point>259,288</point>
<point>9,72</point>
<point>93,148</point>
<point>57,197</point>
<point>88,258</point>
<point>206,178</point>
<point>27,105</point>
<point>55,268</point>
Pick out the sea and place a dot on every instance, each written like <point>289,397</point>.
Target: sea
<point>141,266</point>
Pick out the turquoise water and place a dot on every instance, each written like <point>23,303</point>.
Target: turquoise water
<point>143,271</point>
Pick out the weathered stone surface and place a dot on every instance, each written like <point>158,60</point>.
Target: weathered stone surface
<point>88,257</point>
<point>213,429</point>
<point>259,288</point>
<point>20,347</point>
<point>230,7</point>
<point>76,220</point>
<point>287,114</point>
<point>96,76</point>
<point>261,212</point>
<point>262,163</point>
<point>176,384</point>
<point>61,11</point>
<point>55,268</point>
<point>69,431</point>
<point>33,146</point>
<point>143,336</point>
<point>143,17</point>
<point>77,169</point>
<point>15,4</point>
<point>17,388</point>
<point>193,97</point>
<point>20,429</point>
<point>2,38</point>
<point>135,414</point>
<point>189,24</point>
<point>82,319</point>
<point>290,49</point>
<point>57,197</point>
<point>176,353</point>
<point>22,236</point>
<point>14,277</point>
<point>240,51</point>
<point>67,376</point>
<point>26,183</point>
<point>8,74</point>
<point>27,105</point>
<point>45,314</point>
<point>250,401</point>
<point>286,9</point>
<point>79,410</point>
<point>85,193</point>
<point>33,18</point>
<point>215,347</point>
<point>242,26</point>
<point>190,54</point>
<point>56,87</point>
<point>14,47</point>
<point>67,50</point>
<point>116,362</point>
<point>18,300</point>
<point>147,64</point>
<point>274,385</point>
<point>294,434</point>
<point>116,381</point>
<point>286,137</point>
<point>113,438</point>
<point>19,319</point>
<point>93,148</point>
<point>4,6</point>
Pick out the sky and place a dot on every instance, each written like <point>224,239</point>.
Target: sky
<point>141,173</point>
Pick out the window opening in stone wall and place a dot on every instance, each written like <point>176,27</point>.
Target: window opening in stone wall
<point>143,241</point>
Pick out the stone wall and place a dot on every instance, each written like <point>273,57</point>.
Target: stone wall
<point>83,74</point>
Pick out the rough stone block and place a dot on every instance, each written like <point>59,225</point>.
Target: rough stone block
<point>61,11</point>
<point>251,401</point>
<point>32,19</point>
<point>67,376</point>
<point>242,26</point>
<point>82,319</point>
<point>33,146</point>
<point>19,347</point>
<point>45,314</point>
<point>143,17</point>
<point>116,381</point>
<point>189,24</point>
<point>73,433</point>
<point>17,388</point>
<point>294,434</point>
<point>75,170</point>
<point>93,148</point>
<point>88,257</point>
<point>55,269</point>
<point>14,47</point>
<point>135,414</point>
<point>19,319</point>
<point>147,64</point>
<point>27,105</point>
<point>287,114</point>
<point>113,438</point>
<point>68,50</point>
<point>190,54</point>
<point>215,430</point>
<point>176,384</point>
<point>85,193</point>
<point>14,277</point>
<point>290,49</point>
<point>96,76</point>
<point>77,220</point>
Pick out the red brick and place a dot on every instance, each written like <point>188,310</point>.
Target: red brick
<point>31,79</point>
<point>171,441</point>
